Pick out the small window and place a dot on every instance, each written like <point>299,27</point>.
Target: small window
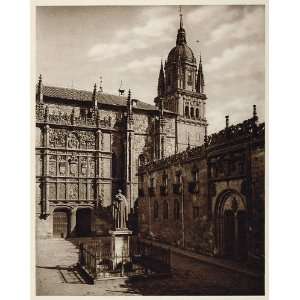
<point>176,209</point>
<point>197,113</point>
<point>196,212</point>
<point>166,210</point>
<point>192,112</point>
<point>186,111</point>
<point>155,213</point>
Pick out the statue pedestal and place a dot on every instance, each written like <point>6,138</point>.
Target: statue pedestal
<point>120,247</point>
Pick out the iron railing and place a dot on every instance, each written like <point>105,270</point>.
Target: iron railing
<point>97,259</point>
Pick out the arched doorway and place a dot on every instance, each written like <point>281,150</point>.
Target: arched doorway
<point>231,225</point>
<point>61,223</point>
<point>83,221</point>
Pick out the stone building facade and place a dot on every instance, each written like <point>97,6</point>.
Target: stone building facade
<point>89,144</point>
<point>209,199</point>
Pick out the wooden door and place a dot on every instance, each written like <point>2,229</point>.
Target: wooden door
<point>60,224</point>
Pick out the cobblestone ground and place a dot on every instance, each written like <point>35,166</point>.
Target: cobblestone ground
<point>56,274</point>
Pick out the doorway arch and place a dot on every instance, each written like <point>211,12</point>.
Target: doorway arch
<point>61,222</point>
<point>231,225</point>
<point>83,221</point>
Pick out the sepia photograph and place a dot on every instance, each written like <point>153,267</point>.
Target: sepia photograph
<point>149,150</point>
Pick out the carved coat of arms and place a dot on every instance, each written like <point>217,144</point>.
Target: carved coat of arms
<point>73,168</point>
<point>62,168</point>
<point>83,168</point>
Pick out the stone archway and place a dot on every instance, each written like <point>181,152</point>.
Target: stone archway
<point>231,225</point>
<point>83,221</point>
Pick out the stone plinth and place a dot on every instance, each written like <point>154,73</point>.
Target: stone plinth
<point>120,246</point>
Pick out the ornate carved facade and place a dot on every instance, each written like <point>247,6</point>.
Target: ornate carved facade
<point>89,144</point>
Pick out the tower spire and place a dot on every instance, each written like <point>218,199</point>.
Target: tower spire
<point>39,90</point>
<point>94,97</point>
<point>129,106</point>
<point>200,78</point>
<point>161,81</point>
<point>180,15</point>
<point>181,39</point>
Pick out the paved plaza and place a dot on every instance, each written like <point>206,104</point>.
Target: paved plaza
<point>57,274</point>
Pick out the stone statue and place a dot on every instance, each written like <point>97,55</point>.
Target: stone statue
<point>120,211</point>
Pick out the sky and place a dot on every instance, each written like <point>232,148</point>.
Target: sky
<point>78,45</point>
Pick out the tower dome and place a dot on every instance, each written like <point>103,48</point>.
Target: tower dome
<point>181,52</point>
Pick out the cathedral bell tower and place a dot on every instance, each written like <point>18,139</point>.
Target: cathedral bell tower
<point>181,90</point>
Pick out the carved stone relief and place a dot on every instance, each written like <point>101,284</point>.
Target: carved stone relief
<point>73,141</point>
<point>82,192</point>
<point>62,165</point>
<point>91,167</point>
<point>52,191</point>
<point>83,166</point>
<point>73,191</point>
<point>52,165</point>
<point>57,137</point>
<point>73,165</point>
<point>61,189</point>
<point>87,139</point>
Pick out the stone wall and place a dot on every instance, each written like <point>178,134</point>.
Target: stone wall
<point>225,173</point>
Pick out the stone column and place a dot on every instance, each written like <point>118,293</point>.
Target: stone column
<point>129,162</point>
<point>45,190</point>
<point>99,146</point>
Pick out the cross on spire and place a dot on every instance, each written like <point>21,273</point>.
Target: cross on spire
<point>180,14</point>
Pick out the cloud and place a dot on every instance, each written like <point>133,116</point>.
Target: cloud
<point>155,26</point>
<point>145,65</point>
<point>103,51</point>
<point>212,14</point>
<point>229,56</point>
<point>248,25</point>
